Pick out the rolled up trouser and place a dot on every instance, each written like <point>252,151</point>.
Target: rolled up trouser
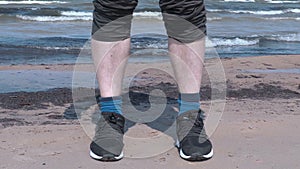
<point>184,19</point>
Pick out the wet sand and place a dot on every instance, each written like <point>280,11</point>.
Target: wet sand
<point>258,128</point>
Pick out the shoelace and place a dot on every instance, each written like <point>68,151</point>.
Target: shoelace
<point>110,127</point>
<point>191,126</point>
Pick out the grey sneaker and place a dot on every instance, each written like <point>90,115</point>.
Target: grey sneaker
<point>193,143</point>
<point>107,144</point>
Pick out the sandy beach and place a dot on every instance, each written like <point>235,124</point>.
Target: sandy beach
<point>258,128</point>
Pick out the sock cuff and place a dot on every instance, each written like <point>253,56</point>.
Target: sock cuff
<point>107,99</point>
<point>111,104</point>
<point>189,97</point>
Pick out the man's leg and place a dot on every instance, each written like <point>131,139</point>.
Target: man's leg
<point>187,61</point>
<point>110,59</point>
<point>110,51</point>
<point>185,24</point>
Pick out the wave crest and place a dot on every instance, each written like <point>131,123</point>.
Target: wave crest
<point>31,2</point>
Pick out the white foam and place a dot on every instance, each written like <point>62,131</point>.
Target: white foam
<point>294,10</point>
<point>66,16</point>
<point>233,42</point>
<point>286,38</point>
<point>54,48</point>
<point>239,0</point>
<point>53,18</point>
<point>214,18</point>
<point>273,12</point>
<point>31,2</point>
<point>85,16</point>
<point>268,1</point>
<point>75,13</point>
<point>214,10</point>
<point>151,46</point>
<point>283,18</point>
<point>280,2</point>
<point>148,14</point>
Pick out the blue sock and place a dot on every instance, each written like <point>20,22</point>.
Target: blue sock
<point>111,104</point>
<point>188,101</point>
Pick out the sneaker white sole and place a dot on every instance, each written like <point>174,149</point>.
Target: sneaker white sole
<point>94,156</point>
<point>187,157</point>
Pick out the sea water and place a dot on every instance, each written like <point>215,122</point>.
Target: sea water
<point>54,31</point>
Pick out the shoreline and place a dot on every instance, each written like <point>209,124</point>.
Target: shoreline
<point>70,66</point>
<point>259,69</point>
